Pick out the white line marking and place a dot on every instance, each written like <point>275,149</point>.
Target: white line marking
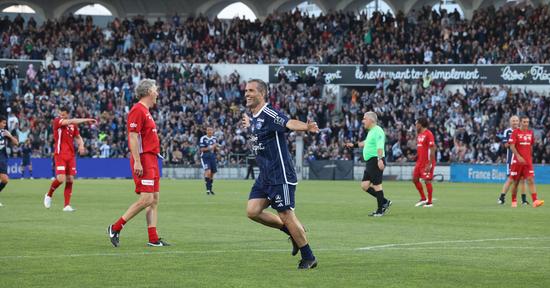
<point>397,246</point>
<point>448,242</point>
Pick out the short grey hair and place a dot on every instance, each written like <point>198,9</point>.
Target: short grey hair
<point>372,116</point>
<point>144,87</point>
<point>260,85</point>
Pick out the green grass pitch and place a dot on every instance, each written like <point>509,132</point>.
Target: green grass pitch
<point>465,240</point>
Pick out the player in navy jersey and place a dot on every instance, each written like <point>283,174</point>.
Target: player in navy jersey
<point>277,180</point>
<point>208,145</point>
<point>5,139</point>
<point>514,124</point>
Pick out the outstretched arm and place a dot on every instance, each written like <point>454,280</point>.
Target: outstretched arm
<point>359,144</point>
<point>77,121</point>
<point>297,125</point>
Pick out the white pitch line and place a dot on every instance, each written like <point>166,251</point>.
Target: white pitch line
<point>397,246</point>
<point>385,246</point>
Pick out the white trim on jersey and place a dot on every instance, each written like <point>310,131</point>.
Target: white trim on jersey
<point>282,161</point>
<point>270,112</point>
<point>140,148</point>
<point>260,112</point>
<point>59,133</point>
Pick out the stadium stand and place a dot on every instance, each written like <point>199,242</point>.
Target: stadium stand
<point>467,125</point>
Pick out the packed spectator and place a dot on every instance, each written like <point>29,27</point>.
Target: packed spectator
<point>467,124</point>
<point>511,34</point>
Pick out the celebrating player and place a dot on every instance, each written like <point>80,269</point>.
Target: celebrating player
<point>65,132</point>
<point>514,124</point>
<point>425,161</point>
<point>521,144</point>
<point>277,181</point>
<point>208,146</point>
<point>5,135</point>
<point>144,147</point>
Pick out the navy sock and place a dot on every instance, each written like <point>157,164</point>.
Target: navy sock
<point>502,195</point>
<point>207,183</point>
<point>306,252</point>
<point>523,197</point>
<point>2,185</point>
<point>211,183</point>
<point>284,229</point>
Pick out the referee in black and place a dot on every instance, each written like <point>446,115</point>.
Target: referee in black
<point>373,154</point>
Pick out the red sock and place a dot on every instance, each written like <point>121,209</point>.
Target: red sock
<point>515,197</point>
<point>119,224</point>
<point>153,237</point>
<point>54,186</point>
<point>430,189</point>
<point>68,192</point>
<point>420,190</point>
<point>534,196</point>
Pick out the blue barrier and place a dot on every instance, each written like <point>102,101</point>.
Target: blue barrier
<point>85,167</point>
<point>487,173</point>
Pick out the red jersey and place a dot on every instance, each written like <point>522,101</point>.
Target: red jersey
<point>140,121</point>
<point>523,141</point>
<point>424,141</point>
<point>64,137</point>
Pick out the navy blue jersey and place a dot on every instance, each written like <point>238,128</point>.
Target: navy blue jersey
<point>205,142</point>
<point>3,145</point>
<point>271,149</point>
<point>505,137</point>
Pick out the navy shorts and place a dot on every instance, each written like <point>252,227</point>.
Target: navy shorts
<point>281,196</point>
<point>3,166</point>
<point>209,163</point>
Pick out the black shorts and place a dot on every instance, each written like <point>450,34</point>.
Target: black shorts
<point>372,172</point>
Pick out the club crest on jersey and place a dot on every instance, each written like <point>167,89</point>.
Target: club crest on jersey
<point>279,121</point>
<point>259,124</point>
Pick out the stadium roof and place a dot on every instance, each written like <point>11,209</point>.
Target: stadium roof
<point>125,8</point>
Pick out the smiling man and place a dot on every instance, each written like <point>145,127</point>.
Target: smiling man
<point>144,147</point>
<point>277,181</point>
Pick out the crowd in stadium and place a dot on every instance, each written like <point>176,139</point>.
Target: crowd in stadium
<point>507,35</point>
<point>467,125</point>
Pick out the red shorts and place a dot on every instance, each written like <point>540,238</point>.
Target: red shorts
<point>64,164</point>
<point>420,171</point>
<point>149,182</point>
<point>518,171</point>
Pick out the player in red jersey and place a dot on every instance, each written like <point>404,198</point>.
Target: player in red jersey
<point>144,147</point>
<point>521,143</point>
<point>65,132</point>
<point>425,161</point>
